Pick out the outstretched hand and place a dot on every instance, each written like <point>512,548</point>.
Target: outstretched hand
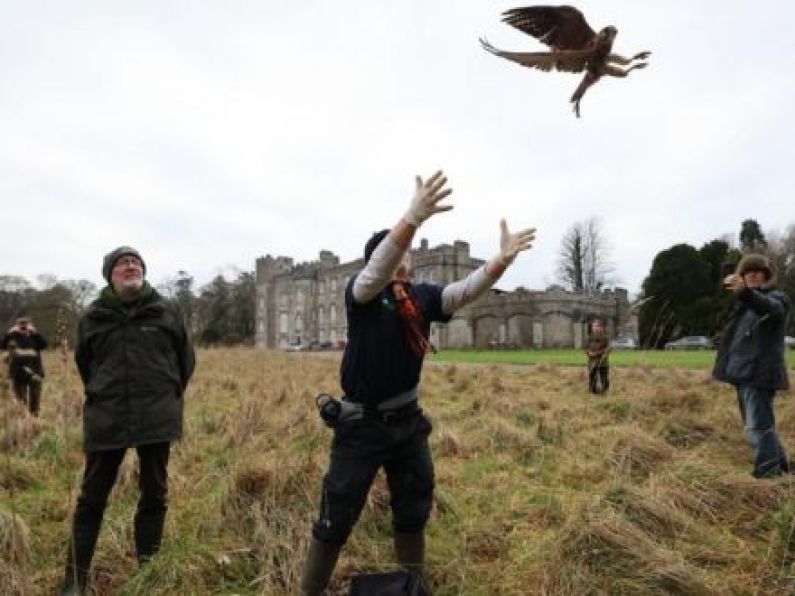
<point>512,244</point>
<point>734,282</point>
<point>427,195</point>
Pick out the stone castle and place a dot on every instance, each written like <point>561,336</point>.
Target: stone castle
<point>300,304</point>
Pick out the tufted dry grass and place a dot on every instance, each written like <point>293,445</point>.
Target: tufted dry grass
<point>541,487</point>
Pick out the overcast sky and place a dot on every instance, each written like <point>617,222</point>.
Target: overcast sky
<point>207,134</point>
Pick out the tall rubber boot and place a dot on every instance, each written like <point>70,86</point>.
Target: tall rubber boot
<point>78,561</point>
<point>410,554</point>
<point>320,562</point>
<point>82,542</point>
<point>148,528</point>
<point>410,551</point>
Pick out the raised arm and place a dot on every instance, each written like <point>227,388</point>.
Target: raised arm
<point>379,270</point>
<point>469,289</point>
<point>774,304</point>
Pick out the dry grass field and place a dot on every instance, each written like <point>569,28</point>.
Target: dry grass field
<point>541,488</point>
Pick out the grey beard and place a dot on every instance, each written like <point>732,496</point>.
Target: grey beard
<point>128,286</point>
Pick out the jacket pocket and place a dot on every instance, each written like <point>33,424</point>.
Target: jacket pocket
<point>740,367</point>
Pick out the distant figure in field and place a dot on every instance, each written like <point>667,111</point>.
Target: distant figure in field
<point>380,423</point>
<point>751,357</point>
<point>23,345</point>
<point>598,353</point>
<point>135,360</point>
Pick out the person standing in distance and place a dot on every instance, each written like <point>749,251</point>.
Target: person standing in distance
<point>598,351</point>
<point>24,344</point>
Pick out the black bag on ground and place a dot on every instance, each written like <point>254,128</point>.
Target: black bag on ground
<point>396,583</point>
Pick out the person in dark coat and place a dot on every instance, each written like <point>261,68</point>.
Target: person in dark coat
<point>598,351</point>
<point>751,358</point>
<point>380,424</point>
<point>135,360</point>
<point>23,344</point>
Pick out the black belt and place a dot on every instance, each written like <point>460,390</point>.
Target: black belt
<point>392,416</point>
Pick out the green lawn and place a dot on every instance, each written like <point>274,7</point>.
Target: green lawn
<point>652,358</point>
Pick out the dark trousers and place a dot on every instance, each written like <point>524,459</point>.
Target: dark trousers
<point>27,388</point>
<point>360,448</point>
<point>98,479</point>
<point>756,411</point>
<point>598,378</point>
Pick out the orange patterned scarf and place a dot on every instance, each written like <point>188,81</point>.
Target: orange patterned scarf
<point>413,321</point>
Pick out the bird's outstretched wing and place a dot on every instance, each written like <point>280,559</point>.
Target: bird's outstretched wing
<point>567,60</point>
<point>559,27</point>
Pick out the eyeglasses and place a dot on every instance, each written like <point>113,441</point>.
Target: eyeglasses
<point>127,262</point>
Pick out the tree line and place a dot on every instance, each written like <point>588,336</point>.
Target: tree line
<point>220,312</point>
<point>684,294</point>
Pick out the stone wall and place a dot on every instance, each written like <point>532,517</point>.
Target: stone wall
<point>553,318</point>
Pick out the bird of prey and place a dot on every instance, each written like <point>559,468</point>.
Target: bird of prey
<point>575,46</point>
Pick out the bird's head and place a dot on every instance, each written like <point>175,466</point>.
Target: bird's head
<point>607,35</point>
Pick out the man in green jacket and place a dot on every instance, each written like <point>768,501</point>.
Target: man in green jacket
<point>135,359</point>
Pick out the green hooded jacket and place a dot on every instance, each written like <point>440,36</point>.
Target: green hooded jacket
<point>135,360</point>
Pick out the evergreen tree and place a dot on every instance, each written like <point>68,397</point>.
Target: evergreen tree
<point>752,239</point>
<point>678,291</point>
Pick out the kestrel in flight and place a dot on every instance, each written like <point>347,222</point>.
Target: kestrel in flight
<point>575,46</point>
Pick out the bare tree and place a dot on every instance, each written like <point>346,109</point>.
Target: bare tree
<point>584,257</point>
<point>781,246</point>
<point>570,258</point>
<point>13,283</point>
